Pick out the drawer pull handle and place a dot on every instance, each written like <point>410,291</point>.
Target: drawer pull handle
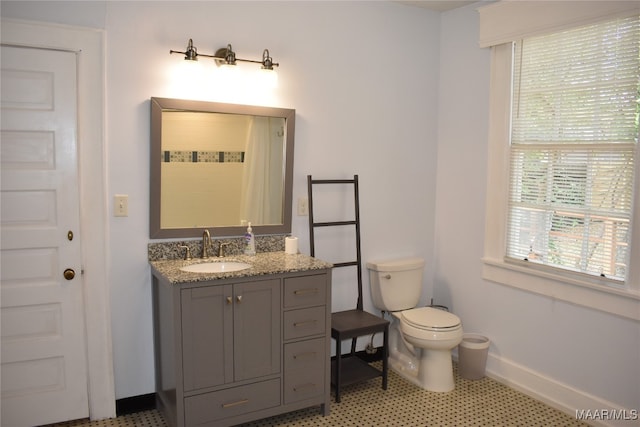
<point>238,403</point>
<point>305,291</point>
<point>305,323</point>
<point>307,355</point>
<point>304,387</point>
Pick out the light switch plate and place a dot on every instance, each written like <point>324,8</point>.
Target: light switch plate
<point>121,205</point>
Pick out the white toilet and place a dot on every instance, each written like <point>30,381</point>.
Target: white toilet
<point>420,339</point>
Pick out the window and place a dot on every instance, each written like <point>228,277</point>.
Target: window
<point>563,175</point>
<point>574,127</point>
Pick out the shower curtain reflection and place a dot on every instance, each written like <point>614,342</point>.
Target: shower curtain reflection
<point>262,182</point>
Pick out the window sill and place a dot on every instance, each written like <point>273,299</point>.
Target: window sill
<point>621,302</point>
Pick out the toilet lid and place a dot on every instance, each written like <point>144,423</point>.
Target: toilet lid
<point>430,318</point>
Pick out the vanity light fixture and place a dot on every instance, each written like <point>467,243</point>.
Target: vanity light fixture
<point>226,56</point>
<point>191,54</point>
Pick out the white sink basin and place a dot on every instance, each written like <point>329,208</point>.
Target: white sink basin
<point>216,267</point>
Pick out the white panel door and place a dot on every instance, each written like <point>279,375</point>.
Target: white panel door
<point>43,364</point>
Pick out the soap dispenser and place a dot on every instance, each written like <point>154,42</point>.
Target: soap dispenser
<point>249,242</point>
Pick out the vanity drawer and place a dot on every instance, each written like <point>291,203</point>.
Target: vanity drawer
<point>303,384</point>
<point>304,322</point>
<point>305,355</point>
<point>210,407</point>
<point>305,291</point>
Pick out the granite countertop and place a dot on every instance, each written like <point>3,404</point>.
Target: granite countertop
<point>261,264</point>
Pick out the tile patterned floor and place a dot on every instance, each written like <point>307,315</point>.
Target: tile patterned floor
<point>483,402</point>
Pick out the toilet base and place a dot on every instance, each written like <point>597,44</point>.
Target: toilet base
<point>433,373</point>
<point>406,371</point>
<point>436,370</point>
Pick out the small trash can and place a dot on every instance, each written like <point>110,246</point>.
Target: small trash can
<point>472,356</point>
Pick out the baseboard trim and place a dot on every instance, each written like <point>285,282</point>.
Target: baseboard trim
<point>130,405</point>
<point>554,393</point>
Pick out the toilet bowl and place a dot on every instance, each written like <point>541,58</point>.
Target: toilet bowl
<point>420,339</point>
<point>434,333</point>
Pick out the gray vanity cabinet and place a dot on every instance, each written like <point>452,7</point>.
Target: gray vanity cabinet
<point>230,333</point>
<point>230,351</point>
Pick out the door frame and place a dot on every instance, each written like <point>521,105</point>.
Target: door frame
<point>89,47</point>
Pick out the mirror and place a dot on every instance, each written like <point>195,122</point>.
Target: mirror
<point>218,166</point>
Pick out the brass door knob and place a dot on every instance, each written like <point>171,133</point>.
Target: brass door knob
<point>69,274</point>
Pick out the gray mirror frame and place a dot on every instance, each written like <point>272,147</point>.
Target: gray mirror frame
<point>160,104</point>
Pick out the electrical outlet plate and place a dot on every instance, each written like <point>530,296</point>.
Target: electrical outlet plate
<point>303,206</point>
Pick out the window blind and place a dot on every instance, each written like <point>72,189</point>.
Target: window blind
<point>573,147</point>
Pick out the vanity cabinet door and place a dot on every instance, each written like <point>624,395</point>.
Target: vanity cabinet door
<point>207,336</point>
<point>230,333</point>
<point>256,319</point>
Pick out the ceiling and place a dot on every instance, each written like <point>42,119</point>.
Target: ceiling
<point>440,6</point>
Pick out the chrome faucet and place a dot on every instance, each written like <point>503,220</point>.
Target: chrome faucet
<point>206,244</point>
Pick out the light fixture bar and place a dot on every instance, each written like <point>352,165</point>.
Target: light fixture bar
<point>226,55</point>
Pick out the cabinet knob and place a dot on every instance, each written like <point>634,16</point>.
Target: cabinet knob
<point>229,300</point>
<point>239,299</point>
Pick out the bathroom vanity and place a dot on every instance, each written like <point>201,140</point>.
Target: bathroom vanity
<point>233,347</point>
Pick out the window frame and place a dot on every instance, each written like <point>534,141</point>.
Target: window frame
<point>576,288</point>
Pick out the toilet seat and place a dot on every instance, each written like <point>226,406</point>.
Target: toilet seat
<point>430,319</point>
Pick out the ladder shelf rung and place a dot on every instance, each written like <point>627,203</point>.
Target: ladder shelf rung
<point>332,181</point>
<point>333,223</point>
<point>345,264</point>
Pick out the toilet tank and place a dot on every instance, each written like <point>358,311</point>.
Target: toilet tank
<point>396,284</point>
